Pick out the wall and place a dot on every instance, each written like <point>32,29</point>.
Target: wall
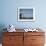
<point>9,12</point>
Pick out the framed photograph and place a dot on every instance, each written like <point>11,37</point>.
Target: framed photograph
<point>26,14</point>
